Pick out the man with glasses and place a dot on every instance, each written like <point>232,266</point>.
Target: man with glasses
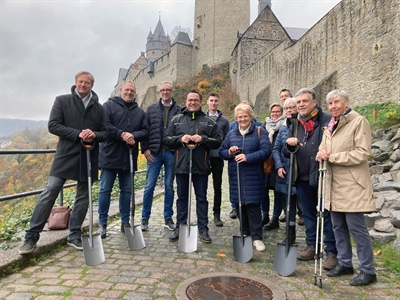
<point>306,134</point>
<point>192,126</point>
<point>158,154</point>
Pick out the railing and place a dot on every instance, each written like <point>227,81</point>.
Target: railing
<point>36,192</point>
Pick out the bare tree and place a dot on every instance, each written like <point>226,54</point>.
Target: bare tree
<point>178,29</point>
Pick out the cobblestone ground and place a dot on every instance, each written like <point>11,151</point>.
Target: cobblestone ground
<point>157,270</point>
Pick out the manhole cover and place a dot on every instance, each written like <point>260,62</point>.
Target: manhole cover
<point>228,286</point>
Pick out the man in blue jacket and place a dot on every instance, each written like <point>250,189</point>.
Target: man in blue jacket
<point>306,133</point>
<point>74,117</point>
<point>192,126</point>
<point>126,124</point>
<point>158,154</point>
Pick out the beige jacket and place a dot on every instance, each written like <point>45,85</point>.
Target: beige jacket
<point>348,185</point>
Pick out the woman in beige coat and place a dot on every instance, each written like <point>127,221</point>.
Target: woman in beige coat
<point>346,146</point>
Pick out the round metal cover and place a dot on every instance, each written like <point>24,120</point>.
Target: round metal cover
<point>228,286</point>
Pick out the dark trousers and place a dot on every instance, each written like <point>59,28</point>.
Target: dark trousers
<point>217,167</point>
<point>251,220</point>
<point>200,189</point>
<point>308,199</point>
<point>46,202</point>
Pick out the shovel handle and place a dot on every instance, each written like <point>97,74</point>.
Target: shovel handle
<point>87,145</point>
<point>191,145</point>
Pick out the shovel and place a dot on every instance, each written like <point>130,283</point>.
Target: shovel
<point>133,233</point>
<point>286,254</point>
<point>92,244</point>
<point>187,232</point>
<point>242,245</point>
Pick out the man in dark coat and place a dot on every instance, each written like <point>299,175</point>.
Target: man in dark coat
<point>306,134</point>
<point>158,154</point>
<point>192,126</point>
<point>217,163</point>
<point>126,125</point>
<point>74,118</point>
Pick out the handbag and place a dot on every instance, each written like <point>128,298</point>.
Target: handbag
<point>59,218</point>
<point>268,164</point>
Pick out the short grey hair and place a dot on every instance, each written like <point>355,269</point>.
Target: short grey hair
<point>342,95</point>
<point>128,81</point>
<point>165,82</point>
<point>244,107</point>
<point>289,100</point>
<point>305,91</point>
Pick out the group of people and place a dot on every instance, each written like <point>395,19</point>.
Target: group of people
<point>189,140</point>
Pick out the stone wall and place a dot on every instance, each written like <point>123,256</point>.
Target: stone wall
<point>355,47</point>
<point>216,23</point>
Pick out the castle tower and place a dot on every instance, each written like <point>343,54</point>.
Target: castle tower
<point>158,43</point>
<point>216,25</point>
<point>262,4</point>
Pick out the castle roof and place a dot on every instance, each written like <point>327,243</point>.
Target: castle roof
<point>295,33</point>
<point>159,31</point>
<point>123,72</point>
<point>182,38</point>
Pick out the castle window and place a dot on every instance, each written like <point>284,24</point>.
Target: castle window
<point>255,54</point>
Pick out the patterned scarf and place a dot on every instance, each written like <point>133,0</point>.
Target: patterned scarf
<point>334,121</point>
<point>273,126</point>
<point>308,122</point>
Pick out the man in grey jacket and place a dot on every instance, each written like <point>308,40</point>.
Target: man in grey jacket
<point>74,118</point>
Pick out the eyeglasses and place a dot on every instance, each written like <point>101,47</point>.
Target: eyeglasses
<point>165,91</point>
<point>290,107</point>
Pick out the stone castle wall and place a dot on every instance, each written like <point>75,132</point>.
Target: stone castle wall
<point>355,47</point>
<point>216,23</point>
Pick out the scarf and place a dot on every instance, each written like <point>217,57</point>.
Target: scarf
<point>334,121</point>
<point>273,126</point>
<point>308,123</point>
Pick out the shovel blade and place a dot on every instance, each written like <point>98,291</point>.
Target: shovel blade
<point>187,238</point>
<point>93,250</point>
<point>134,236</point>
<point>284,264</point>
<point>242,248</point>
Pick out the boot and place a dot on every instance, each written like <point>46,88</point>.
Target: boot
<point>265,219</point>
<point>102,230</point>
<point>292,236</point>
<point>273,224</point>
<point>217,220</point>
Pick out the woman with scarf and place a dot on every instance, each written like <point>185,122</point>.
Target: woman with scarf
<point>272,125</point>
<point>346,145</point>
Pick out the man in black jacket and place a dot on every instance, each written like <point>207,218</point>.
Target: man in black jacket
<point>158,154</point>
<point>307,138</point>
<point>192,126</point>
<point>126,125</point>
<point>217,163</point>
<point>74,118</point>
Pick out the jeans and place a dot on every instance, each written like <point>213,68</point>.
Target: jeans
<point>46,202</point>
<point>308,199</point>
<point>217,167</point>
<point>107,178</point>
<point>200,189</point>
<point>279,203</point>
<point>166,158</point>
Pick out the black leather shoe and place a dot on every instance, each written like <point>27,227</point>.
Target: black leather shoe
<point>217,220</point>
<point>145,225</point>
<point>340,270</point>
<point>123,226</point>
<point>205,238</point>
<point>265,219</point>
<point>273,224</point>
<point>363,279</point>
<point>102,230</point>
<point>175,236</point>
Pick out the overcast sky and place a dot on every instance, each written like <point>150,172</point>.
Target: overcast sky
<point>45,43</point>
